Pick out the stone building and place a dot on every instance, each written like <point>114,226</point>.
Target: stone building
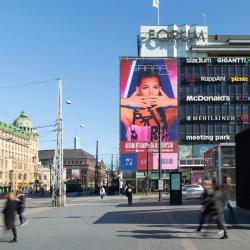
<point>19,163</point>
<point>79,166</point>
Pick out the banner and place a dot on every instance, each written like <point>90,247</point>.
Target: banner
<point>149,110</point>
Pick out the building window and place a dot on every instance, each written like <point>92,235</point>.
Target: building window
<point>224,90</point>
<point>217,90</point>
<point>217,109</point>
<point>231,110</point>
<point>210,70</point>
<point>196,110</point>
<point>203,129</point>
<point>210,109</point>
<point>203,90</point>
<point>196,129</point>
<point>224,109</point>
<point>196,90</point>
<point>239,89</point>
<point>189,129</point>
<point>245,108</point>
<point>210,129</point>
<point>190,110</point>
<point>217,129</point>
<point>238,109</point>
<point>231,129</point>
<point>238,128</point>
<point>204,109</point>
<point>211,90</point>
<point>224,128</point>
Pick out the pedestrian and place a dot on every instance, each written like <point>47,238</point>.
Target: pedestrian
<point>219,199</point>
<point>102,192</point>
<point>9,213</point>
<point>129,194</point>
<point>125,189</point>
<point>208,206</point>
<point>20,206</point>
<point>227,191</point>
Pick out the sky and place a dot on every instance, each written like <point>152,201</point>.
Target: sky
<point>81,42</point>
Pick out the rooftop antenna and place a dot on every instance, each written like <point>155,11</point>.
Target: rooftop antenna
<point>204,18</point>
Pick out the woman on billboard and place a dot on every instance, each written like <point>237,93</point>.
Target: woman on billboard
<point>148,108</point>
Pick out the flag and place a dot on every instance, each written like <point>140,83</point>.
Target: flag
<point>156,3</point>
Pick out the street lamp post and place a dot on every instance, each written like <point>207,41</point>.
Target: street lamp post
<point>147,173</point>
<point>159,159</point>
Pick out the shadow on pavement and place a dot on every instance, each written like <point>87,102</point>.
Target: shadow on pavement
<point>162,234</point>
<point>156,203</point>
<point>178,215</point>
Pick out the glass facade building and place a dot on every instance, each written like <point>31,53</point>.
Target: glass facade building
<point>214,101</point>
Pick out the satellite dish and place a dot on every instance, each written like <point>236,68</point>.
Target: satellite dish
<point>68,102</point>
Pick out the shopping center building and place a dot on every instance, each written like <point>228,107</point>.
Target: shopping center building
<point>213,89</point>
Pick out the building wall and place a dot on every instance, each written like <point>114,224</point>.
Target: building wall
<point>18,157</point>
<point>171,40</point>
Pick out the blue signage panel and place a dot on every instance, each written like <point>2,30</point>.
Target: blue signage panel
<point>128,162</point>
<point>175,181</point>
<point>199,150</point>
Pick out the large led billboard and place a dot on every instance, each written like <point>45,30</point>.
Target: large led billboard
<point>149,111</point>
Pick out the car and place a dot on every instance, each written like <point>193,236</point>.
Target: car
<point>193,191</point>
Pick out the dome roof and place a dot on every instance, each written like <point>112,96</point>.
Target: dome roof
<point>23,121</point>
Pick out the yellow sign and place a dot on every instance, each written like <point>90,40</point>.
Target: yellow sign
<point>239,79</point>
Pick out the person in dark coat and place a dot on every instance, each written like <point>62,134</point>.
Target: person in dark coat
<point>20,206</point>
<point>9,212</point>
<point>208,206</point>
<point>129,194</point>
<point>219,201</point>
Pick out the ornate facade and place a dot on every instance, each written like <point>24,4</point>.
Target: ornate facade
<point>79,166</point>
<point>19,162</point>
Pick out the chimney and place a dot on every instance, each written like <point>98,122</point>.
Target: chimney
<point>77,143</point>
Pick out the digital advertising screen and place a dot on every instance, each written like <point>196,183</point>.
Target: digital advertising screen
<point>149,111</point>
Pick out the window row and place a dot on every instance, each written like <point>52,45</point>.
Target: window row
<point>217,109</point>
<point>211,129</point>
<point>214,70</point>
<point>215,89</point>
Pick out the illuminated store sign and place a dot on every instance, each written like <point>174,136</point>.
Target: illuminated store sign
<point>213,79</point>
<point>208,137</point>
<point>190,79</point>
<point>218,60</point>
<point>243,98</point>
<point>214,118</point>
<point>200,98</point>
<point>211,118</point>
<point>235,60</point>
<point>198,60</point>
<point>164,36</point>
<point>239,79</point>
<point>244,118</point>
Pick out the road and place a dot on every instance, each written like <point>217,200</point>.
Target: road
<point>95,224</point>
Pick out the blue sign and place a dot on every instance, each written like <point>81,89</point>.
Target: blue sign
<point>199,150</point>
<point>128,162</point>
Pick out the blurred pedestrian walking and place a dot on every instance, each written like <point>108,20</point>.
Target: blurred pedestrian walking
<point>228,190</point>
<point>21,206</point>
<point>9,212</point>
<point>208,206</point>
<point>219,199</point>
<point>102,192</point>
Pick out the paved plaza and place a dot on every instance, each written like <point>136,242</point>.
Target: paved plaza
<point>92,223</point>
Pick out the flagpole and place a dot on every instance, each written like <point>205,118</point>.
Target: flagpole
<point>159,13</point>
